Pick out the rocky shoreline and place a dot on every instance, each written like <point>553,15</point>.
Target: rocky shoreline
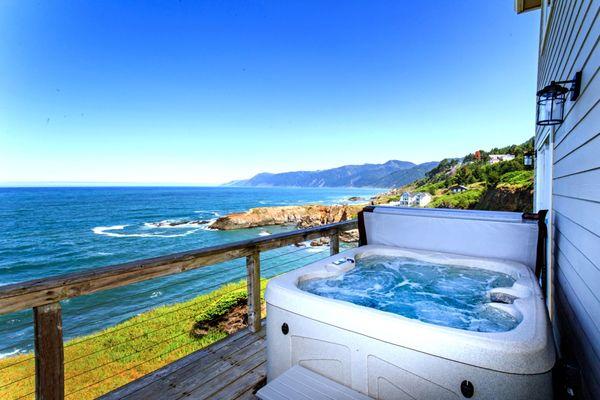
<point>304,216</point>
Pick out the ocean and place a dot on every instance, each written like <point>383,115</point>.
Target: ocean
<point>51,231</point>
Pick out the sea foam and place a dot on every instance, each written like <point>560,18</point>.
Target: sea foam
<point>107,231</point>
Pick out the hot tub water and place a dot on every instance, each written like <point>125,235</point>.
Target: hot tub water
<point>440,294</point>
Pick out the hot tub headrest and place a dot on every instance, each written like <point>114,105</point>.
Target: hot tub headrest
<point>490,234</point>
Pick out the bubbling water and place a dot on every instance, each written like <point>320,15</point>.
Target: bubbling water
<point>440,294</point>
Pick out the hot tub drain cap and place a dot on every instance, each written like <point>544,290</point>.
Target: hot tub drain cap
<point>467,389</point>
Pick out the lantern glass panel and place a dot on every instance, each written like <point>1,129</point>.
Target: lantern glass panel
<point>550,109</point>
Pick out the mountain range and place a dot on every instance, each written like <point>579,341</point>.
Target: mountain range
<point>393,173</point>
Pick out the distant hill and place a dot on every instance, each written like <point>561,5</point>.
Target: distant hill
<point>393,173</point>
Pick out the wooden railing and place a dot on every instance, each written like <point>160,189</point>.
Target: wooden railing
<point>44,295</point>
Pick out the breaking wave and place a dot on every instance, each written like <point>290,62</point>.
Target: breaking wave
<point>109,231</point>
<point>10,353</point>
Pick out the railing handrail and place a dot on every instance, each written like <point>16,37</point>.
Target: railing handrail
<point>39,292</point>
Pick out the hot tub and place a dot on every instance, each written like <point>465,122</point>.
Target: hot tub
<point>390,353</point>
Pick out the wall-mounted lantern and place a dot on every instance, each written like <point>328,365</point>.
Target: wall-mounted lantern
<point>551,100</point>
<point>528,160</point>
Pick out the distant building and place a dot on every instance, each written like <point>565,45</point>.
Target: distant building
<point>495,158</point>
<point>421,199</point>
<point>406,199</point>
<point>458,189</point>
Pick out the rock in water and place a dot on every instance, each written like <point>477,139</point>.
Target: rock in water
<point>302,216</point>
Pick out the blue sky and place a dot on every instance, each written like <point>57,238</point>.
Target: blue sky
<point>208,91</point>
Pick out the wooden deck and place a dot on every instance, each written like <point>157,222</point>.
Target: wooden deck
<point>233,368</point>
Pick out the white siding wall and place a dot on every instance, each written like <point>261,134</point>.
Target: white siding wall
<point>571,44</point>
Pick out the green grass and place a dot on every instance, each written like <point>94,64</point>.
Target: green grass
<point>431,188</point>
<point>464,200</point>
<point>115,356</point>
<point>516,180</point>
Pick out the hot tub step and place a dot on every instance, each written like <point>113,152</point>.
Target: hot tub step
<point>299,383</point>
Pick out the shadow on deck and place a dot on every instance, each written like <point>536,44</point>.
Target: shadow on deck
<point>233,368</point>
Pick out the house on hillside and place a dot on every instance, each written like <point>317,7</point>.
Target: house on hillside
<point>458,189</point>
<point>406,199</point>
<point>496,158</point>
<point>421,199</point>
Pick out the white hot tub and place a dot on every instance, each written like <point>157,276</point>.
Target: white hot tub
<point>388,355</point>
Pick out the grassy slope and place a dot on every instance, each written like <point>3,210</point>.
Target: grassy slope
<point>465,200</point>
<point>510,182</point>
<point>127,351</point>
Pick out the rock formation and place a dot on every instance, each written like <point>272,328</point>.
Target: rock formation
<point>302,216</point>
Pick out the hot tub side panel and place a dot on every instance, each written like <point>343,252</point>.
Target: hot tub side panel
<point>499,235</point>
<point>383,370</point>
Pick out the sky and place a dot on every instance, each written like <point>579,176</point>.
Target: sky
<point>203,92</point>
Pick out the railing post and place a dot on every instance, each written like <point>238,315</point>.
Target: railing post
<point>49,354</point>
<point>334,244</point>
<point>253,279</point>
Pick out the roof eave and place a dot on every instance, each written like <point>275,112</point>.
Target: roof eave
<point>522,6</point>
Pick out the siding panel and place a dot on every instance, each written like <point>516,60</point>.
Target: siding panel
<point>578,28</point>
<point>582,212</point>
<point>585,186</point>
<point>584,303</point>
<point>571,46</point>
<point>567,21</point>
<point>587,242</point>
<point>558,14</point>
<point>587,34</point>
<point>562,64</point>
<point>585,158</point>
<point>578,345</point>
<point>566,138</point>
<point>588,274</point>
<point>586,60</point>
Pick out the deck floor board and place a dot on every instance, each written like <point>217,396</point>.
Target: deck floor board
<point>232,368</point>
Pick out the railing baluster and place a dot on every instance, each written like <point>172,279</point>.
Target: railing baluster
<point>334,244</point>
<point>253,279</point>
<point>49,353</point>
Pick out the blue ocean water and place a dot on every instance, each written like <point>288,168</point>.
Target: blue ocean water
<point>50,231</point>
<point>446,295</point>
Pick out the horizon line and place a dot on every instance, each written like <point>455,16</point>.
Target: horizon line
<point>66,184</point>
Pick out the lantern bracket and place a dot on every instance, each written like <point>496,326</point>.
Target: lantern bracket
<point>575,85</point>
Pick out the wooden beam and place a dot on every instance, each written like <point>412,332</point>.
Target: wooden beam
<point>253,280</point>
<point>334,244</point>
<point>49,354</point>
<point>38,292</point>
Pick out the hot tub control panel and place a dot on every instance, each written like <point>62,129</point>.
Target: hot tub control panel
<point>340,265</point>
<point>343,260</point>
